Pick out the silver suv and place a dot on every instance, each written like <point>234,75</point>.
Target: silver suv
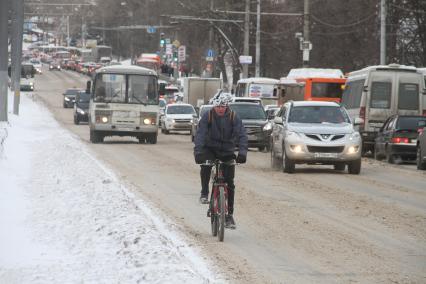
<point>308,132</point>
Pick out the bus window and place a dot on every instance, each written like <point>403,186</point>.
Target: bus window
<point>408,97</point>
<point>381,94</point>
<point>351,97</point>
<point>327,90</point>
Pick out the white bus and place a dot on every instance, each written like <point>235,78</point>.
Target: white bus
<point>124,102</point>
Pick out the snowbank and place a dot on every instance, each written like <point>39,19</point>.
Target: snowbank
<point>66,218</point>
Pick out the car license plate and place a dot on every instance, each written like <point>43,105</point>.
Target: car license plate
<point>414,141</point>
<point>325,155</point>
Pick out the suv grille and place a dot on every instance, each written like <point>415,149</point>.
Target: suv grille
<point>320,149</point>
<point>251,130</point>
<point>337,137</point>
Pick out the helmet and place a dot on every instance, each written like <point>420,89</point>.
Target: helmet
<point>222,99</point>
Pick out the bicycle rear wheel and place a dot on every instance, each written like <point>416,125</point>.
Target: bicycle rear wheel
<point>213,216</point>
<point>221,215</point>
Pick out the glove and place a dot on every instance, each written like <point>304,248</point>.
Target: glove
<point>241,159</point>
<point>199,158</point>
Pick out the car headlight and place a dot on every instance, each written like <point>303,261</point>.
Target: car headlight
<point>147,121</point>
<point>31,83</point>
<point>296,148</point>
<point>80,111</point>
<point>67,99</point>
<point>104,119</point>
<point>267,127</point>
<point>354,135</point>
<point>353,149</point>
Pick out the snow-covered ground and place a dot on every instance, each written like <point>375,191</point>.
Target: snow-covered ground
<point>66,218</point>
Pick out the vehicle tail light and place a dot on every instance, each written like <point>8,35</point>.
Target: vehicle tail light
<point>362,116</point>
<point>400,140</point>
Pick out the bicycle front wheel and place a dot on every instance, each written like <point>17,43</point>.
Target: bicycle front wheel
<point>213,217</point>
<point>221,217</point>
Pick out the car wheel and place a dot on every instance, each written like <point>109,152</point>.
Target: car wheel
<point>339,166</point>
<point>421,165</point>
<point>192,137</point>
<point>96,137</point>
<point>275,162</point>
<point>354,167</point>
<point>76,121</point>
<point>152,138</point>
<point>65,106</point>
<point>287,164</point>
<point>261,148</point>
<point>377,155</point>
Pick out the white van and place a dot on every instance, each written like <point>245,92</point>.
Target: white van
<point>258,87</point>
<point>374,93</point>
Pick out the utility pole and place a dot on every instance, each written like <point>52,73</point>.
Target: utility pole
<point>257,64</point>
<point>211,27</point>
<point>83,44</point>
<point>68,30</point>
<point>246,36</point>
<point>4,13</point>
<point>16,48</point>
<point>306,33</point>
<point>382,32</point>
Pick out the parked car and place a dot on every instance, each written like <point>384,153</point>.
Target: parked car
<point>69,97</point>
<point>26,84</point>
<point>81,107</point>
<point>255,122</point>
<point>177,117</point>
<point>397,139</point>
<point>55,65</point>
<point>196,118</point>
<point>421,146</point>
<point>247,100</point>
<point>314,132</point>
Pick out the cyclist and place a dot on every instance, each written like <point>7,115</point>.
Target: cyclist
<point>220,130</point>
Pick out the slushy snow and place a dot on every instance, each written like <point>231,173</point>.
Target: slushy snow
<point>66,218</point>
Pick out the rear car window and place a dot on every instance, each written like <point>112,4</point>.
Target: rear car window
<point>352,94</point>
<point>327,90</point>
<point>71,92</point>
<point>381,94</point>
<point>180,110</point>
<point>408,97</point>
<point>409,122</point>
<point>249,111</point>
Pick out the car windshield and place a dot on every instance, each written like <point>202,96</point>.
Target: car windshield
<point>249,111</point>
<point>121,88</point>
<point>318,114</point>
<point>409,122</point>
<point>180,110</point>
<point>83,97</point>
<point>71,92</point>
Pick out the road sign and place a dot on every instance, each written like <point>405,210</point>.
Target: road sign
<point>245,59</point>
<point>169,49</point>
<point>210,53</point>
<point>209,58</point>
<point>176,43</point>
<point>182,53</point>
<point>167,41</point>
<point>151,30</point>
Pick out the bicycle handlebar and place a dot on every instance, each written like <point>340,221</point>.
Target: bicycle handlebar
<point>213,162</point>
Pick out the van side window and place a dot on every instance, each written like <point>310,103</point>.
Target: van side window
<point>381,94</point>
<point>408,97</point>
<point>352,94</point>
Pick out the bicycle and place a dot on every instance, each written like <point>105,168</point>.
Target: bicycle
<point>218,206</point>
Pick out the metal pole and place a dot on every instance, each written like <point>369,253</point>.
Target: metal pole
<point>4,13</point>
<point>257,65</point>
<point>306,32</point>
<point>383,32</point>
<point>83,44</point>
<point>19,8</point>
<point>246,36</point>
<point>68,30</point>
<point>211,27</point>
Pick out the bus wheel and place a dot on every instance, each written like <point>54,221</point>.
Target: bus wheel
<point>152,138</point>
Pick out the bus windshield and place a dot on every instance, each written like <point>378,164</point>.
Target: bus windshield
<point>121,88</point>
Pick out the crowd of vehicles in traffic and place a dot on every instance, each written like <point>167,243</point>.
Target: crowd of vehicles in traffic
<point>378,110</point>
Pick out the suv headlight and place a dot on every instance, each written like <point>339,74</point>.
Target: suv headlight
<point>267,127</point>
<point>354,135</point>
<point>80,111</point>
<point>67,99</point>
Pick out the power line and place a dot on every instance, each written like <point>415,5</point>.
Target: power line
<point>407,9</point>
<point>345,25</point>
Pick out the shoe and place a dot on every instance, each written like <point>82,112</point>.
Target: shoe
<point>229,222</point>
<point>204,199</point>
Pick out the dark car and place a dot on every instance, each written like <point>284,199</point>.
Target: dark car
<point>69,97</point>
<point>255,122</point>
<point>203,109</point>
<point>81,107</point>
<point>421,146</point>
<point>398,138</point>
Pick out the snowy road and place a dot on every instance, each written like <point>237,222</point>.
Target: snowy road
<point>316,226</point>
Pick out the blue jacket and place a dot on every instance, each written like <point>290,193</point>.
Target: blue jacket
<point>221,134</point>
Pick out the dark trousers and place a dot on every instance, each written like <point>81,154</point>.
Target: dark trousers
<point>228,174</point>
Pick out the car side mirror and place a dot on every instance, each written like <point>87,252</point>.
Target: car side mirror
<point>358,121</point>
<point>88,87</point>
<point>278,120</point>
<point>365,89</point>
